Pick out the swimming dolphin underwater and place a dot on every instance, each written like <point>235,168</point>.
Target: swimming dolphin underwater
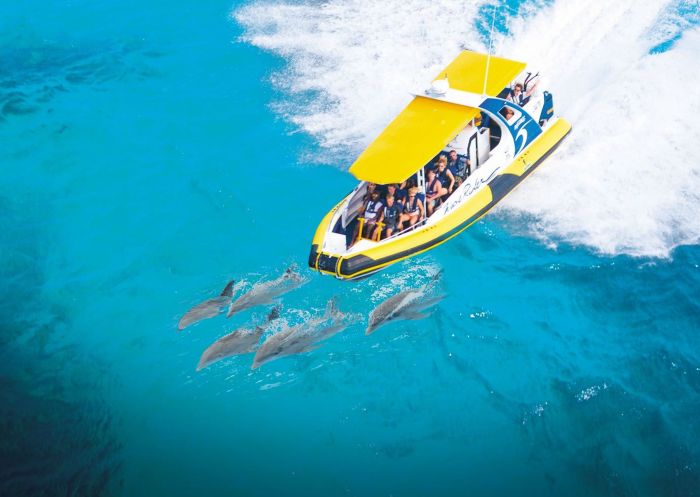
<point>207,309</point>
<point>406,305</point>
<point>303,337</point>
<point>265,292</point>
<point>241,341</point>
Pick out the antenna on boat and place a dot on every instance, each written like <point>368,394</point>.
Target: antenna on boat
<point>488,57</point>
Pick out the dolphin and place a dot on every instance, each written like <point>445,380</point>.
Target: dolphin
<point>304,337</point>
<point>241,341</point>
<point>406,305</point>
<point>265,292</point>
<point>207,309</point>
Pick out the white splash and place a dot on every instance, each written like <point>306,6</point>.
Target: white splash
<point>628,178</point>
<point>352,63</point>
<point>626,181</point>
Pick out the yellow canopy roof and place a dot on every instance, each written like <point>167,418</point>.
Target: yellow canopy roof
<point>426,125</point>
<point>467,71</point>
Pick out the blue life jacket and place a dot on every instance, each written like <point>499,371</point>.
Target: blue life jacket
<point>400,195</point>
<point>372,209</point>
<point>431,189</point>
<point>442,176</point>
<point>453,166</point>
<point>411,207</point>
<point>391,214</point>
<point>521,99</point>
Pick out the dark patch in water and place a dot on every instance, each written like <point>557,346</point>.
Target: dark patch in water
<point>56,436</point>
<point>18,106</point>
<point>624,445</point>
<point>31,76</point>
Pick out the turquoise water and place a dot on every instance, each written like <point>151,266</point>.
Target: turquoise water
<point>150,153</point>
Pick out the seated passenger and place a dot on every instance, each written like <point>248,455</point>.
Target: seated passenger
<point>433,192</point>
<point>390,216</point>
<point>508,113</point>
<point>371,213</point>
<point>368,195</point>
<point>400,193</point>
<point>453,162</point>
<point>413,209</point>
<point>446,178</point>
<point>458,166</point>
<point>391,189</point>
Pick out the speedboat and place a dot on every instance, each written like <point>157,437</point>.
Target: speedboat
<point>492,112</point>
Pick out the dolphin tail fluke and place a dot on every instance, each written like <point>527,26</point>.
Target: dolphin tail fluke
<point>228,290</point>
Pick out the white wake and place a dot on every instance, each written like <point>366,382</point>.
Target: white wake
<point>626,181</point>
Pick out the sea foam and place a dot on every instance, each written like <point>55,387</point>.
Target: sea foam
<point>626,181</point>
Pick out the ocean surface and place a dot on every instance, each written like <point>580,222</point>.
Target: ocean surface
<point>152,151</point>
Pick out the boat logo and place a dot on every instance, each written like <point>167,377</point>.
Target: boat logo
<point>519,145</point>
<point>467,189</point>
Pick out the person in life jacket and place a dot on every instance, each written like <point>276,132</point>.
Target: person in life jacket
<point>371,187</point>
<point>516,95</point>
<point>413,209</point>
<point>371,213</point>
<point>520,95</point>
<point>458,166</point>
<point>433,192</point>
<point>446,178</point>
<point>390,215</point>
<point>393,190</point>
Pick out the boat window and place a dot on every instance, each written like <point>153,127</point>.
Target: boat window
<point>510,114</point>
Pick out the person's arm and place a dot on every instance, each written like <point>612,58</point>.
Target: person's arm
<point>363,207</point>
<point>421,209</point>
<point>532,89</point>
<point>452,180</point>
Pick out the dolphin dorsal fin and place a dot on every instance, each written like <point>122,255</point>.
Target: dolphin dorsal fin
<point>291,270</point>
<point>331,308</point>
<point>274,313</point>
<point>228,290</point>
